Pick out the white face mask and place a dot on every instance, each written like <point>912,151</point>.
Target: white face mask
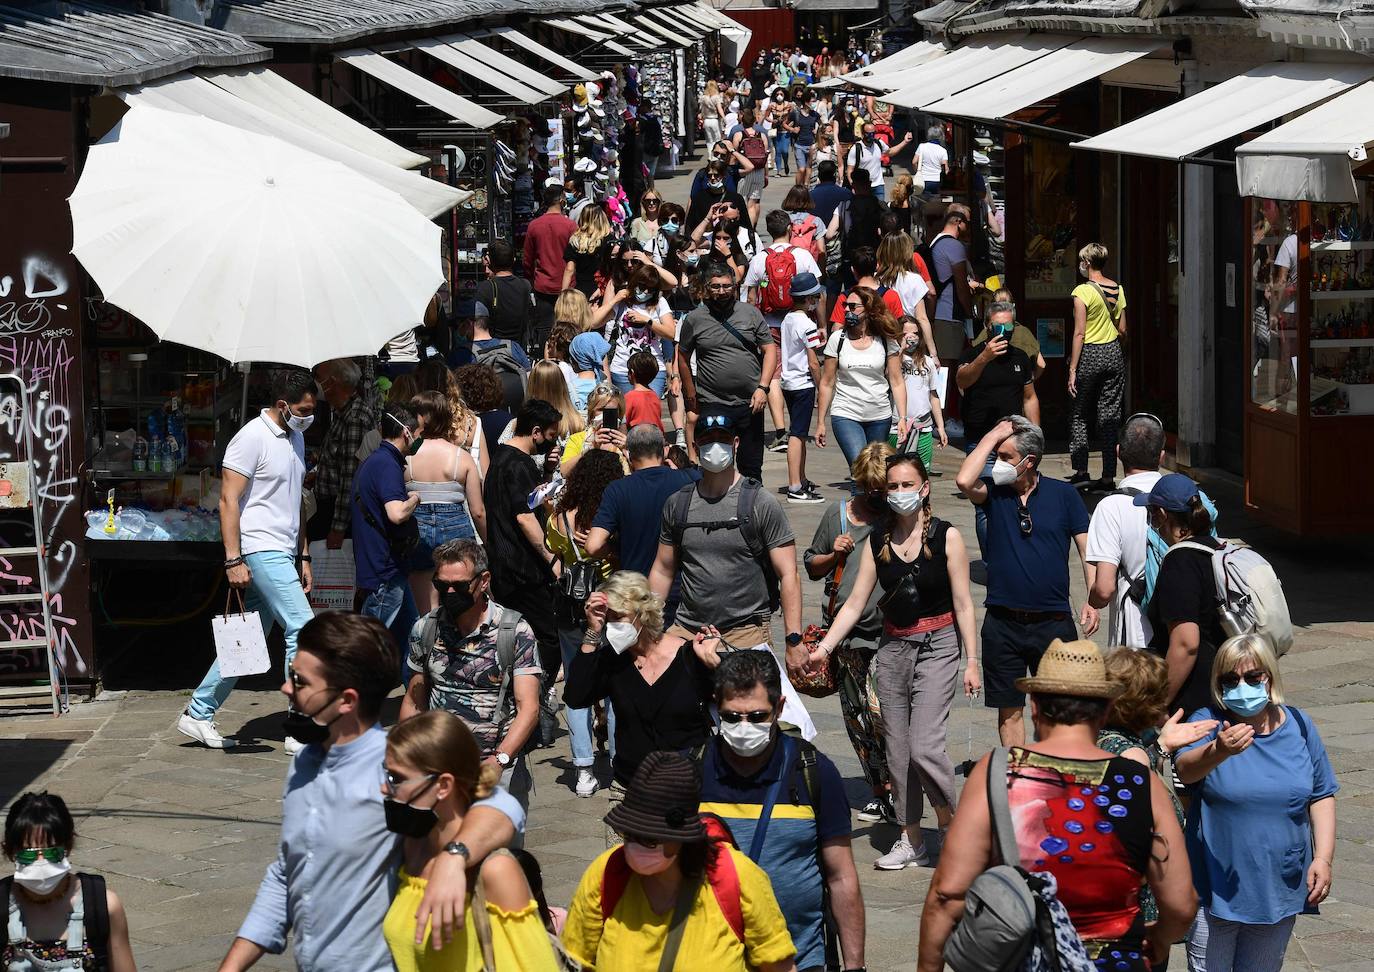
<point>904,503</point>
<point>747,738</point>
<point>717,457</point>
<point>297,423</point>
<point>1004,473</point>
<point>42,876</point>
<point>620,635</point>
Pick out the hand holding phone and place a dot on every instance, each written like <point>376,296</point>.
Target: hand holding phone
<point>610,418</point>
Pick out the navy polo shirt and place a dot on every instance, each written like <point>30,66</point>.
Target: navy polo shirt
<point>791,847</point>
<point>1032,573</point>
<point>379,480</point>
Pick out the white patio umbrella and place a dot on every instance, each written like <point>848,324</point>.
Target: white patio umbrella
<point>245,246</point>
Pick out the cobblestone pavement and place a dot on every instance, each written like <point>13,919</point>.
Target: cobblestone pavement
<point>185,833</point>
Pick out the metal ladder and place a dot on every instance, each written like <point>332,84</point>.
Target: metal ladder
<point>52,693</point>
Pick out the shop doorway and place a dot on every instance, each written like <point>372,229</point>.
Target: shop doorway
<point>1149,270</point>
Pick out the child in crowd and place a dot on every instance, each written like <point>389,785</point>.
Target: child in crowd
<point>801,335</point>
<point>925,420</point>
<point>641,404</point>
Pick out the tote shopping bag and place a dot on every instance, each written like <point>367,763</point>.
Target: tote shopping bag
<point>334,581</point>
<point>240,643</point>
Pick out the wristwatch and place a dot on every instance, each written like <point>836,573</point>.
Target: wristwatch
<point>502,759</point>
<point>794,639</point>
<point>459,849</point>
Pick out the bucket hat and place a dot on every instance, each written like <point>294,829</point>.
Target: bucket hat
<point>663,801</point>
<point>1071,668</point>
<point>805,285</point>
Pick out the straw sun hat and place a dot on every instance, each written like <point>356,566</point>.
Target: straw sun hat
<point>1072,668</point>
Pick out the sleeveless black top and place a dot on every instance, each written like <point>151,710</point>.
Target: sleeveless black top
<point>930,596</point>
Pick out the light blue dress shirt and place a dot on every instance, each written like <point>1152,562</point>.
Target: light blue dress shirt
<point>335,872</point>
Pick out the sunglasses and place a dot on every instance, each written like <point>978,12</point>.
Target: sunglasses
<point>716,422</point>
<point>755,717</point>
<point>393,782</point>
<point>854,304</point>
<point>30,855</point>
<point>1024,518</point>
<point>647,842</point>
<point>443,586</point>
<point>1253,677</point>
<point>652,202</point>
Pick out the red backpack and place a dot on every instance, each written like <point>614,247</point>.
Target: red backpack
<point>804,233</point>
<point>754,148</point>
<point>720,874</point>
<point>779,267</point>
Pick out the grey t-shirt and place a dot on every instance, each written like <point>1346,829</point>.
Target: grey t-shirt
<point>870,626</point>
<point>948,253</point>
<point>726,372</point>
<point>722,584</point>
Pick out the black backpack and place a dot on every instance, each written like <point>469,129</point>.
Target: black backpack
<point>96,919</point>
<point>680,503</point>
<point>501,359</point>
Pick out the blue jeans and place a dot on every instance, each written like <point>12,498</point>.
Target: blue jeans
<point>438,524</point>
<point>879,190</point>
<point>394,606</point>
<point>623,384</point>
<point>782,142</point>
<point>980,513</point>
<point>1221,945</point>
<point>276,594</point>
<point>852,436</point>
<point>582,722</point>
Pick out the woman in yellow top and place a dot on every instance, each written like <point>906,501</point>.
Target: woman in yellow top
<point>433,774</point>
<point>596,435</point>
<point>1097,364</point>
<point>671,889</point>
<point>577,506</point>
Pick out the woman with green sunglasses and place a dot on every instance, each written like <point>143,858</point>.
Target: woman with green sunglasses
<point>57,928</point>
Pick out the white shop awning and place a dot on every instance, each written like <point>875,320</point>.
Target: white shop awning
<point>734,36</point>
<point>1313,156</point>
<point>422,89</point>
<point>471,67</point>
<point>582,30</point>
<point>546,54</point>
<point>964,67</point>
<point>687,29</point>
<point>273,93</point>
<point>194,95</point>
<point>1045,77</point>
<point>905,60</point>
<point>623,32</point>
<point>1258,96</point>
<point>506,65</point>
<point>656,29</point>
<point>691,14</point>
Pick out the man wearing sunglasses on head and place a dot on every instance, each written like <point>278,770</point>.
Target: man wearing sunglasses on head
<point>334,876</point>
<point>478,660</point>
<point>1032,521</point>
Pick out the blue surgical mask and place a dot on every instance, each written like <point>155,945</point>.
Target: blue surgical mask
<point>715,184</point>
<point>1246,699</point>
<point>643,296</point>
<point>569,198</point>
<point>671,228</point>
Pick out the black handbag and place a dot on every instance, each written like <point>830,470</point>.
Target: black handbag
<point>901,606</point>
<point>579,581</point>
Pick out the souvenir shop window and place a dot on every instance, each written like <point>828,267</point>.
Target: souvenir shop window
<point>1340,342</point>
<point>1274,305</point>
<point>1051,228</point>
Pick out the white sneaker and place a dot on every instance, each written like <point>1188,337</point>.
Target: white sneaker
<point>586,782</point>
<point>292,746</point>
<point>203,731</point>
<point>903,855</point>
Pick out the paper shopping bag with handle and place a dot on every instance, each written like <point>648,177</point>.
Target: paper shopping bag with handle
<point>240,643</point>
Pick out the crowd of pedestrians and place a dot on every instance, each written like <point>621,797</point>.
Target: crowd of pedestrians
<point>560,510</point>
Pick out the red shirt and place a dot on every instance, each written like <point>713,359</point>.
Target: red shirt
<point>890,297</point>
<point>643,407</point>
<point>545,241</point>
<point>921,268</point>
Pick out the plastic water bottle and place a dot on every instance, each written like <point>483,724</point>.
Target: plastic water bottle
<point>171,459</point>
<point>140,454</point>
<point>155,455</point>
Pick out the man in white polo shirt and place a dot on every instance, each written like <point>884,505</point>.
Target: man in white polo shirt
<point>265,551</point>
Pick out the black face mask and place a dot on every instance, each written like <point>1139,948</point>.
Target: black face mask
<point>408,821</point>
<point>542,448</point>
<point>457,601</point>
<point>721,306</point>
<point>303,728</point>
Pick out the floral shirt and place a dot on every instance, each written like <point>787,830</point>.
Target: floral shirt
<point>464,673</point>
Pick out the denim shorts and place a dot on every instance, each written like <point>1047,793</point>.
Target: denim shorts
<point>800,403</point>
<point>439,523</point>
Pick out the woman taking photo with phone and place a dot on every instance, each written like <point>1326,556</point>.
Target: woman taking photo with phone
<point>637,318</point>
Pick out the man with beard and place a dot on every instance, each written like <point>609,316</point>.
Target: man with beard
<point>475,658</point>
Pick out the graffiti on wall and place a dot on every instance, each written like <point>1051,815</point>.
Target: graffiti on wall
<point>33,302</point>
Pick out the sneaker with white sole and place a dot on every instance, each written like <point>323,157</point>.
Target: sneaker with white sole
<point>292,745</point>
<point>586,782</point>
<point>203,731</point>
<point>803,495</point>
<point>872,811</point>
<point>903,855</point>
<point>779,443</point>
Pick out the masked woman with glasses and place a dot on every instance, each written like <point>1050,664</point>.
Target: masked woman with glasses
<point>671,888</point>
<point>1261,830</point>
<point>47,904</point>
<point>434,773</point>
<point>862,385</point>
<point>922,565</point>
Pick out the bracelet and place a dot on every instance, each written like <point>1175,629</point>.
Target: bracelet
<point>233,562</point>
<point>303,558</point>
<point>763,389</point>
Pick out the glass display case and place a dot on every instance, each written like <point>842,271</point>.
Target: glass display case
<point>1310,361</point>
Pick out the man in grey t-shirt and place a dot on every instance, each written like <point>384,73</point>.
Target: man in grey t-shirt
<point>734,350</point>
<point>725,584</point>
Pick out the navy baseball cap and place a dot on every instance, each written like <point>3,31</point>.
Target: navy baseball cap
<point>714,423</point>
<point>805,285</point>
<point>1171,493</point>
<point>470,308</point>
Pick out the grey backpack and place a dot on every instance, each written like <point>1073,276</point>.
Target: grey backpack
<point>1004,913</point>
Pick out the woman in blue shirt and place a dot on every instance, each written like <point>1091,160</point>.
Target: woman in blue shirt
<point>1261,832</point>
